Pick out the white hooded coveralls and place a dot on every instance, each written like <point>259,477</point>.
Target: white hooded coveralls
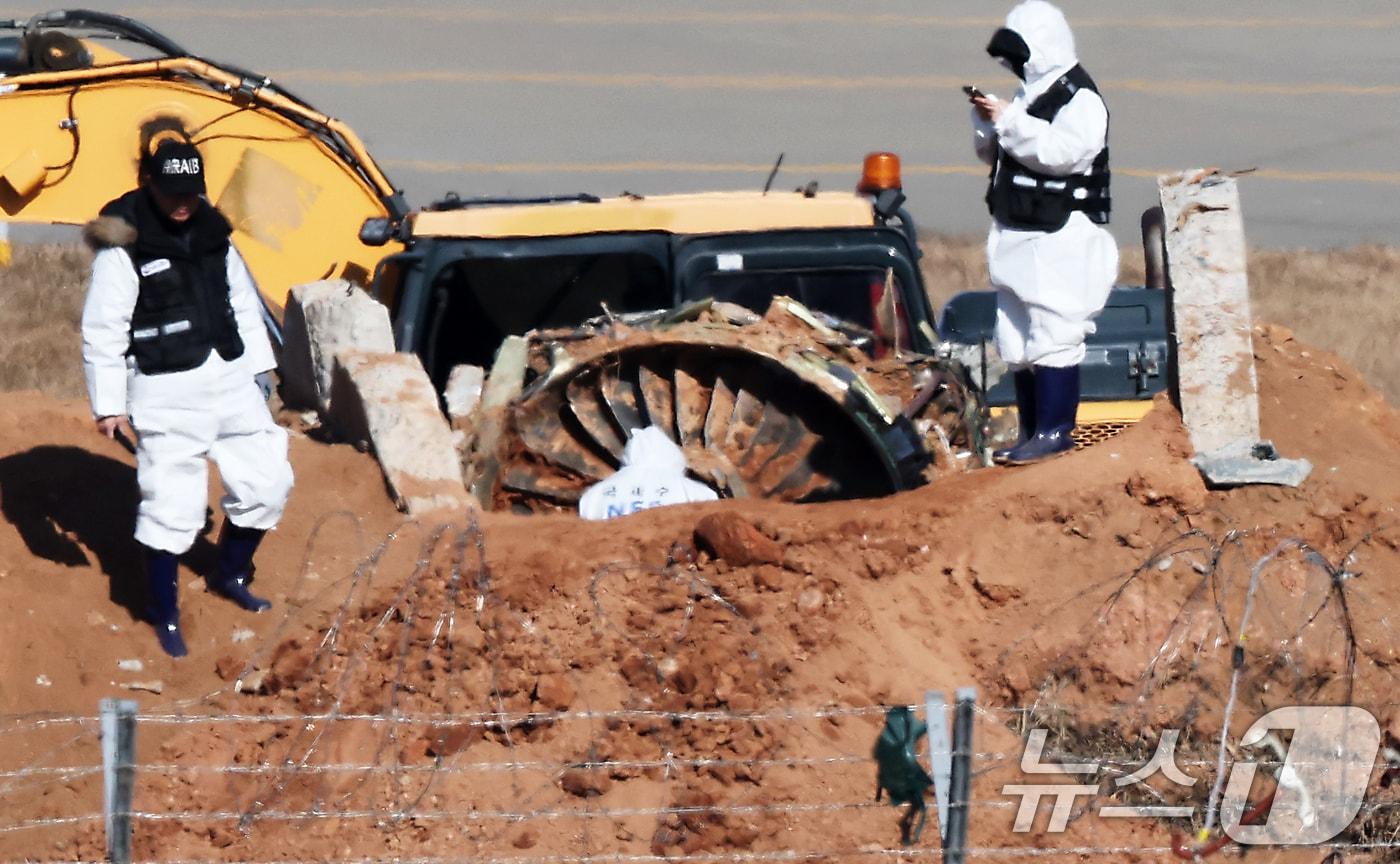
<point>652,475</point>
<point>216,411</point>
<point>1049,285</point>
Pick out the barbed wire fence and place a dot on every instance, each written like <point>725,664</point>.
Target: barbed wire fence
<point>345,756</point>
<point>871,814</point>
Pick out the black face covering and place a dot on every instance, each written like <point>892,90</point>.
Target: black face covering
<point>1008,45</point>
<point>178,230</point>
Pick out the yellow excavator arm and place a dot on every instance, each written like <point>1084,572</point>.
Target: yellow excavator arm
<point>296,184</point>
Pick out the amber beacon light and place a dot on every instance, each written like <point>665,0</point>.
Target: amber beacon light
<point>881,172</point>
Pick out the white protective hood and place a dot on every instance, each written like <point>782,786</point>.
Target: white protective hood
<point>1046,32</point>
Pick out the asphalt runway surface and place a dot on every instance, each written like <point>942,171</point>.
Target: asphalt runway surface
<point>533,97</point>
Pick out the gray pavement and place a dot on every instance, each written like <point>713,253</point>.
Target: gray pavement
<point>549,96</point>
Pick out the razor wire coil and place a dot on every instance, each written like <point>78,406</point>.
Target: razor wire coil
<point>316,725</point>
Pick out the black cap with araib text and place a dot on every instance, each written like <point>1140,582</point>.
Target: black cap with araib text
<point>176,168</point>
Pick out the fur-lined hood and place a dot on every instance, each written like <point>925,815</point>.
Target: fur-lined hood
<point>115,225</point>
<point>107,232</point>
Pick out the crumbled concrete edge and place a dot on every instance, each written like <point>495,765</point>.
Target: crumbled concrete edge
<point>463,394</point>
<point>503,383</point>
<point>388,401</point>
<point>1248,463</point>
<point>322,319</point>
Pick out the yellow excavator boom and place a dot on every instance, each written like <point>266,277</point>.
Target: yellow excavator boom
<point>296,184</point>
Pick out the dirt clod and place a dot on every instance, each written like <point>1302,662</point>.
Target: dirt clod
<point>585,782</point>
<point>228,667</point>
<point>736,540</point>
<point>554,692</point>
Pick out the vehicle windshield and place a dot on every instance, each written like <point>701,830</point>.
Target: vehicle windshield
<point>477,302</point>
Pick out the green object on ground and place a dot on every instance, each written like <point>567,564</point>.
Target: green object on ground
<point>898,771</point>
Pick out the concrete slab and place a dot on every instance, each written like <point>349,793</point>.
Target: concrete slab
<point>1217,385</point>
<point>322,319</point>
<point>462,395</point>
<point>387,401</point>
<point>1246,462</point>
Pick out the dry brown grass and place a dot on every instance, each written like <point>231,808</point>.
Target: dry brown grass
<point>1345,300</point>
<point>41,306</point>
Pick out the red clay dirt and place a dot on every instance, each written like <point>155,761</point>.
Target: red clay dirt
<point>699,681</point>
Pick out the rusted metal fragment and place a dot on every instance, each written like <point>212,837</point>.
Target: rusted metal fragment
<point>802,483</point>
<point>544,432</point>
<point>784,443</point>
<point>722,397</point>
<point>692,404</point>
<point>743,423</point>
<point>655,388</point>
<point>617,383</point>
<point>769,435</point>
<point>593,414</point>
<point>520,478</point>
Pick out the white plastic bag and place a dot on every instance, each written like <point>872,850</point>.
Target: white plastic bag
<point>652,475</point>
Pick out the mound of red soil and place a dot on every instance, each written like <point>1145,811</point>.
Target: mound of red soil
<point>698,680</point>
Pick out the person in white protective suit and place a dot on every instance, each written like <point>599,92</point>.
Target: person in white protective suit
<point>173,339</point>
<point>1051,263</point>
<point>652,475</point>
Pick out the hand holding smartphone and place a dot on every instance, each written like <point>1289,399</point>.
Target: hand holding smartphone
<point>988,107</point>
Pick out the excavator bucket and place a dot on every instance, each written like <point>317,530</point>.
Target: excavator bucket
<point>297,185</point>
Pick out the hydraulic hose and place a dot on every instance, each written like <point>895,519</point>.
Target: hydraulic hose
<point>122,26</point>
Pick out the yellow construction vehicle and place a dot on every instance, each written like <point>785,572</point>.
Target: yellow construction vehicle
<point>296,184</point>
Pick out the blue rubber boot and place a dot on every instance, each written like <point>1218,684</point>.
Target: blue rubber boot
<point>1024,379</point>
<point>236,548</point>
<point>162,579</point>
<point>1056,403</point>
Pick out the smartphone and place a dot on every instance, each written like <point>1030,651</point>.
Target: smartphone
<point>972,91</point>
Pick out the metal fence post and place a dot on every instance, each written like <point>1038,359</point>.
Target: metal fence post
<point>955,844</point>
<point>940,755</point>
<point>119,774</point>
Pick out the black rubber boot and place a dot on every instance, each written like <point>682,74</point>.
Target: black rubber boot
<point>236,548</point>
<point>162,579</point>
<point>1056,403</point>
<point>1024,379</point>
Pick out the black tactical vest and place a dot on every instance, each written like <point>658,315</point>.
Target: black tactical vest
<point>182,309</point>
<point>1019,197</point>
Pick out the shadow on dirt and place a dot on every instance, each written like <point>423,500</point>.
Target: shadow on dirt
<point>71,506</point>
